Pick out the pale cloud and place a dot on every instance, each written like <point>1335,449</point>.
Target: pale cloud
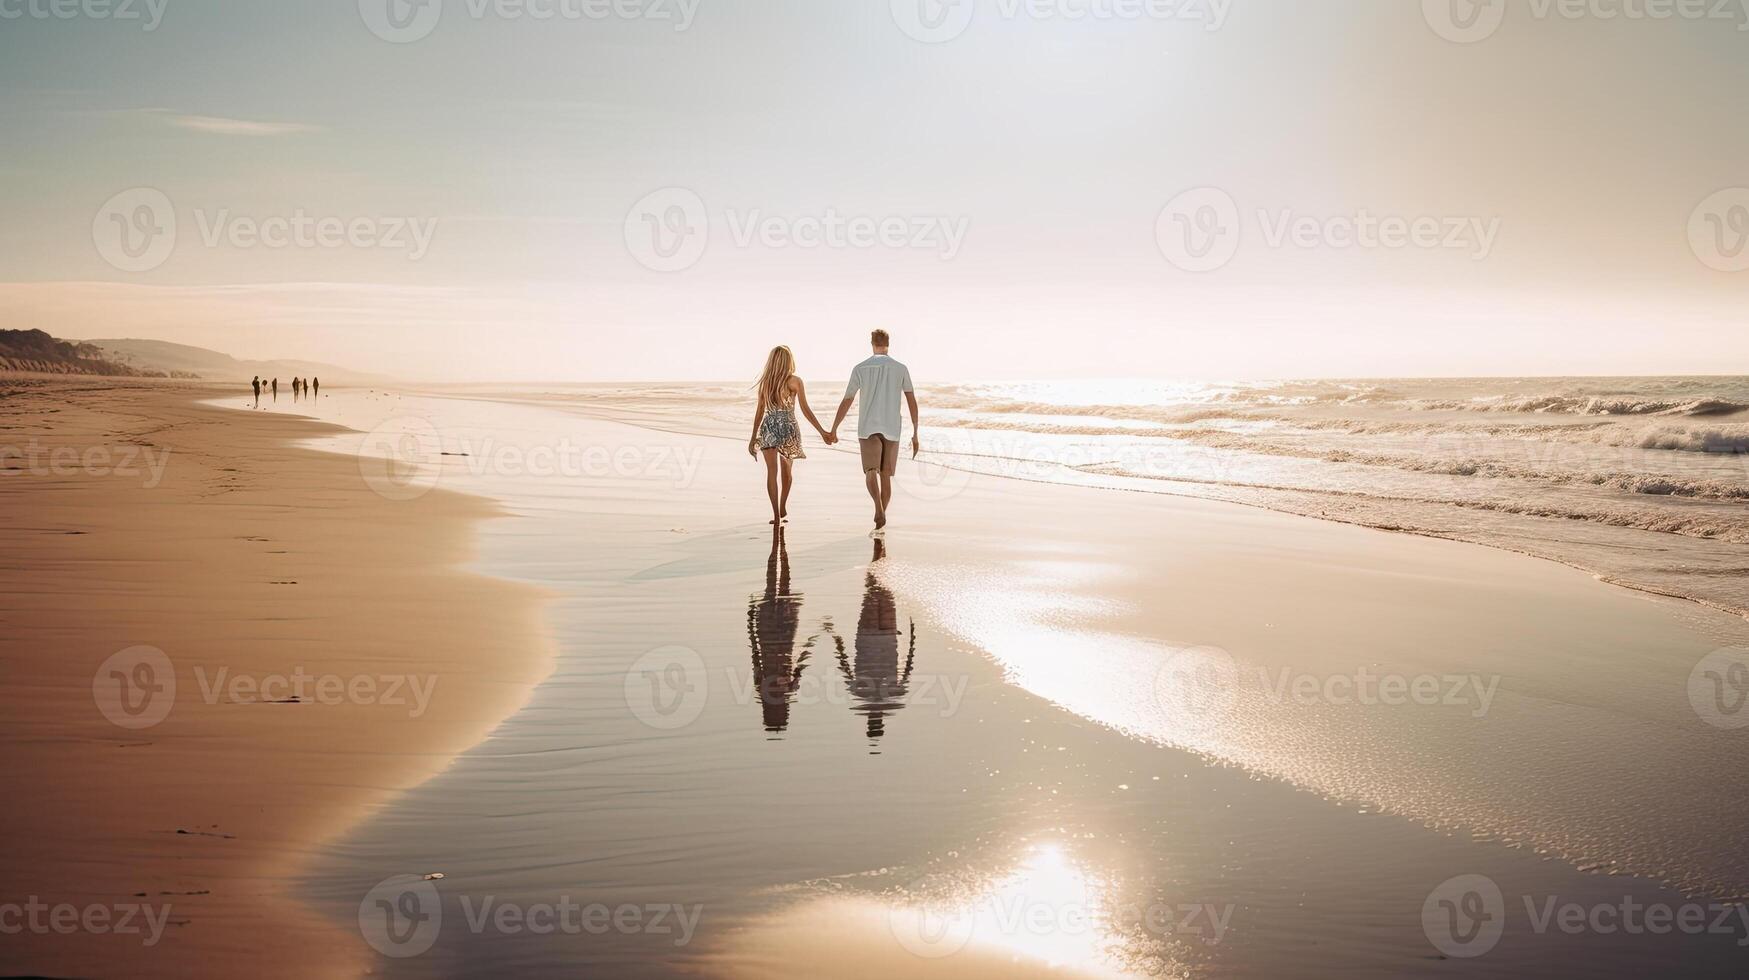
<point>238,127</point>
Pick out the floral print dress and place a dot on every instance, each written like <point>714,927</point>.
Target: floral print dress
<point>778,430</point>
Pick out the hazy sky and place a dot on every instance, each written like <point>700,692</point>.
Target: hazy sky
<point>665,188</point>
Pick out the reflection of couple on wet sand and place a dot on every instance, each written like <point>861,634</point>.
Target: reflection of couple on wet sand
<point>876,679</point>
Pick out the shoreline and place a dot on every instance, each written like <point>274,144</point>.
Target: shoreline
<point>1271,499</point>
<point>326,647</point>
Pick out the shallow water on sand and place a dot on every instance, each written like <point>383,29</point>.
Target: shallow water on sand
<point>1642,480</point>
<point>970,753</point>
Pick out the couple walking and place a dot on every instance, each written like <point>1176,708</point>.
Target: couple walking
<point>880,380</point>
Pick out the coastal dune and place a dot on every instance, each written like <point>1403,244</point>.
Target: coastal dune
<point>327,652</point>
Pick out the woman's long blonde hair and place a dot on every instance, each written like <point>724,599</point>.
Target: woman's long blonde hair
<point>780,366</point>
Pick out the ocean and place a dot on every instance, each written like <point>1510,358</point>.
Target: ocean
<point>1642,481</point>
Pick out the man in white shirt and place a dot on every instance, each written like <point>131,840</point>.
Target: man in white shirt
<point>880,381</point>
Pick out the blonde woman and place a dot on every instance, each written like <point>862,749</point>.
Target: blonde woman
<point>776,436</point>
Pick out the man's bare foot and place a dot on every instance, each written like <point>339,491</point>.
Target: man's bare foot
<point>880,519</point>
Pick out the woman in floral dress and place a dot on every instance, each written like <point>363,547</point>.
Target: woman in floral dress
<point>776,435</point>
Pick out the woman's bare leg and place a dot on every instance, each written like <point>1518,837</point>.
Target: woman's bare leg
<point>771,484</point>
<point>786,465</point>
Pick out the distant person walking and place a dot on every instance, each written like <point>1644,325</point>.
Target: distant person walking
<point>315,387</point>
<point>880,381</point>
<point>276,389</point>
<point>256,384</point>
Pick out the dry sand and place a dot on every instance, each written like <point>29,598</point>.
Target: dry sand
<point>236,553</point>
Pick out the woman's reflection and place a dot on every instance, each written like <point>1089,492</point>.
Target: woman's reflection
<point>772,619</point>
<point>877,680</point>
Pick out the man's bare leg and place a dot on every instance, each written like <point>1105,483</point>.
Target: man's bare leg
<point>873,479</point>
<point>886,492</point>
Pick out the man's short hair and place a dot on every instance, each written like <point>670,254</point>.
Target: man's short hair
<point>879,338</point>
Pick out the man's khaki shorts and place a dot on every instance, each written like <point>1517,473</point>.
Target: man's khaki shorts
<point>880,453</point>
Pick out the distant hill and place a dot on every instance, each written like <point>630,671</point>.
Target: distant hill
<point>33,350</point>
<point>181,360</point>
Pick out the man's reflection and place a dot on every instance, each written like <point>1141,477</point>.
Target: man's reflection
<point>877,680</point>
<point>772,620</point>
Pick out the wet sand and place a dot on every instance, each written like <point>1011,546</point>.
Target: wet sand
<point>244,555</point>
<point>1031,729</point>
<point>819,744</point>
